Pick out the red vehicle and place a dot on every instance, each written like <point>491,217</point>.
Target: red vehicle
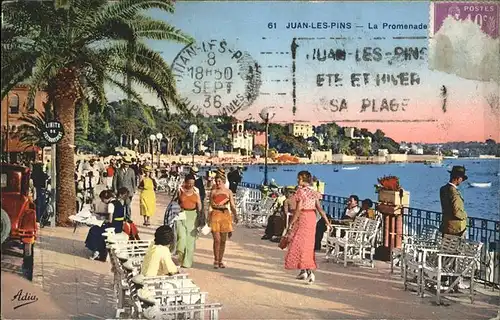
<point>18,208</point>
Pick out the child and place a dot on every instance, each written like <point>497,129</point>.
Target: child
<point>366,209</point>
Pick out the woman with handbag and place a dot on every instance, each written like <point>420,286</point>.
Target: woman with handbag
<point>187,220</point>
<point>301,234</point>
<point>220,218</point>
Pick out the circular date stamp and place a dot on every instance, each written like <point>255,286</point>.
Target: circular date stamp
<point>213,78</point>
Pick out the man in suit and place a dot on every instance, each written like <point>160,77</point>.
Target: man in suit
<point>125,177</point>
<point>452,204</point>
<point>198,183</point>
<point>234,177</point>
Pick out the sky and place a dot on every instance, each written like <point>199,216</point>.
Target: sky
<point>243,61</point>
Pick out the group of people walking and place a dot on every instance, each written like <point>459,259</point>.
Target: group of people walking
<point>181,228</point>
<point>191,215</point>
<point>186,221</point>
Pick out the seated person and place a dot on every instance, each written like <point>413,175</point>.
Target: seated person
<point>95,240</point>
<point>164,174</point>
<point>158,258</point>
<point>352,209</point>
<point>277,223</point>
<point>350,213</point>
<point>102,207</point>
<point>366,209</point>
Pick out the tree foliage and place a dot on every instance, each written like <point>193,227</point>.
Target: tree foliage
<point>72,49</point>
<point>31,131</point>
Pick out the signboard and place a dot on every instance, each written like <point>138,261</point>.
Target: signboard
<point>360,62</point>
<point>53,132</point>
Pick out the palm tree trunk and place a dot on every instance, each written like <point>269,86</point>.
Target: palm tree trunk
<point>64,90</point>
<point>66,199</point>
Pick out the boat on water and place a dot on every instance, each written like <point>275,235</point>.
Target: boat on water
<point>480,184</point>
<point>402,165</point>
<point>335,170</point>
<point>436,165</point>
<point>289,170</point>
<point>350,168</point>
<point>450,157</point>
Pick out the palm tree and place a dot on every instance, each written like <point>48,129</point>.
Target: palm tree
<point>31,131</point>
<point>131,117</point>
<point>72,52</point>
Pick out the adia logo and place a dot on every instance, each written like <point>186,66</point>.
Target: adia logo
<point>53,132</point>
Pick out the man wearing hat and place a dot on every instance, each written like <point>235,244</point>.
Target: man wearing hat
<point>452,204</point>
<point>235,177</point>
<point>125,178</point>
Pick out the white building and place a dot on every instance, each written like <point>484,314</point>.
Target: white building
<point>416,149</point>
<point>383,152</point>
<point>349,132</point>
<point>301,129</point>
<point>241,138</point>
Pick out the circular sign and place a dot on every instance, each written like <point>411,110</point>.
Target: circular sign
<point>53,132</point>
<point>215,79</point>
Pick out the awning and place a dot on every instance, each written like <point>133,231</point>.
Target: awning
<point>14,145</point>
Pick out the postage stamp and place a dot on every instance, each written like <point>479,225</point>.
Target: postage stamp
<point>464,41</point>
<point>483,13</point>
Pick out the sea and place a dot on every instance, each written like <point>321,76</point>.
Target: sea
<point>421,180</point>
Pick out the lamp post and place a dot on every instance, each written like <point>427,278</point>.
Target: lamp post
<point>136,147</point>
<point>266,117</point>
<point>193,129</point>
<point>169,147</point>
<point>159,136</point>
<point>152,138</point>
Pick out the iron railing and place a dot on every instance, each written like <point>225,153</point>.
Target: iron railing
<point>478,229</point>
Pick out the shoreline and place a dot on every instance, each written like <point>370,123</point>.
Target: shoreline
<point>337,163</point>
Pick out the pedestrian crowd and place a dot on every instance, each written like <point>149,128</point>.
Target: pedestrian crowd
<point>199,201</point>
<point>207,202</point>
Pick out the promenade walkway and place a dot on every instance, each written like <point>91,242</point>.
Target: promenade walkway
<point>254,286</point>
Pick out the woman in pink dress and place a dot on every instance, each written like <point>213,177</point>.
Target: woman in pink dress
<point>301,234</point>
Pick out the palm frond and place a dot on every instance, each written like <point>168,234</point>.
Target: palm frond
<point>147,27</point>
<point>127,9</point>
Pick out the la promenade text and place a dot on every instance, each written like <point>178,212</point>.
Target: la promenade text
<point>344,25</point>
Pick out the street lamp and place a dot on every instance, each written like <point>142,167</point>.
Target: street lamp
<point>193,129</point>
<point>266,117</point>
<point>152,138</point>
<point>159,136</point>
<point>136,147</point>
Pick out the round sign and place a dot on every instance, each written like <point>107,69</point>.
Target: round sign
<point>215,79</point>
<point>53,132</point>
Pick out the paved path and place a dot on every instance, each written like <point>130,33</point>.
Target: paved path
<point>254,286</point>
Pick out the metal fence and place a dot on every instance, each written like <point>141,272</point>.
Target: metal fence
<point>478,229</point>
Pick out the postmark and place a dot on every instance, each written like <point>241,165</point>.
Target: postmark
<point>213,78</point>
<point>380,75</point>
